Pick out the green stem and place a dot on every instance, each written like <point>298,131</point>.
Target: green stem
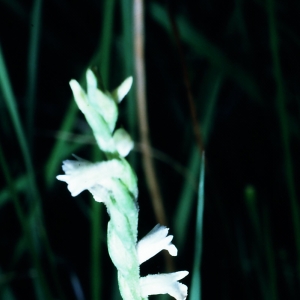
<point>195,291</point>
<point>96,250</point>
<point>96,234</point>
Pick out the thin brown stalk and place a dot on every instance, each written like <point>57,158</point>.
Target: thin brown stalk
<point>148,164</point>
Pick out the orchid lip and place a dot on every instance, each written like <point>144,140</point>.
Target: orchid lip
<point>164,284</point>
<point>155,241</point>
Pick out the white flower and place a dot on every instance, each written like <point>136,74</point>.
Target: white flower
<point>155,241</point>
<point>164,284</point>
<point>102,180</point>
<point>83,175</point>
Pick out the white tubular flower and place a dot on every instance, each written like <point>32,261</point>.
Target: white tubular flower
<point>155,241</point>
<point>75,175</point>
<point>164,284</point>
<point>83,175</point>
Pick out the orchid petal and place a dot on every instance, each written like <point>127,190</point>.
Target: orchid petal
<point>155,241</point>
<point>164,284</point>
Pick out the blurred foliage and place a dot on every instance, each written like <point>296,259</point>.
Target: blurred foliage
<point>243,72</point>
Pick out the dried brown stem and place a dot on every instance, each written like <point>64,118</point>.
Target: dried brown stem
<point>148,164</point>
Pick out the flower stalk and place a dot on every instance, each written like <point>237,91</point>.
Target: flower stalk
<point>114,183</point>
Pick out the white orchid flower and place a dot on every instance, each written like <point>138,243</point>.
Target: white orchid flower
<point>155,241</point>
<point>164,284</point>
<point>99,179</point>
<point>83,175</point>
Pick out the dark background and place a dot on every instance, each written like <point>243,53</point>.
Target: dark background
<point>246,98</point>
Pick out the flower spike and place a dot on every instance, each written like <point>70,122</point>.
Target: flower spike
<point>114,183</point>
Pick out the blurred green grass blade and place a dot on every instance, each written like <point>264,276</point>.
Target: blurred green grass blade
<point>185,205</point>
<point>264,252</point>
<point>211,84</point>
<point>5,290</point>
<point>96,237</point>
<point>101,58</point>
<point>237,23</point>
<point>199,44</point>
<point>30,222</point>
<point>11,104</point>
<point>20,186</point>
<point>19,249</point>
<point>59,150</point>
<point>35,25</point>
<point>96,233</point>
<point>127,38</point>
<point>32,191</point>
<point>284,128</point>
<point>16,7</point>
<point>251,205</point>
<point>41,285</point>
<point>195,289</point>
<point>6,293</point>
<point>127,41</point>
<point>209,93</point>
